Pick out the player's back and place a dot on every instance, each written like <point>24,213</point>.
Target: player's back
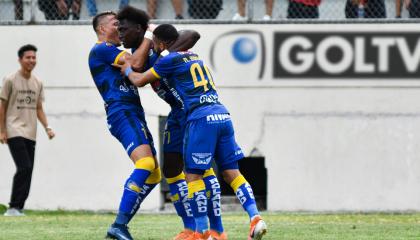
<point>117,92</point>
<point>192,80</point>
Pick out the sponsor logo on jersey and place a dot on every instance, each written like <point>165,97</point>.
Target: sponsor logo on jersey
<point>218,117</point>
<point>211,98</point>
<point>129,146</point>
<point>202,158</point>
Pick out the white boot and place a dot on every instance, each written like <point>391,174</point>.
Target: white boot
<point>14,212</point>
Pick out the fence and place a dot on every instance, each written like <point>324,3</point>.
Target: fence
<point>213,11</point>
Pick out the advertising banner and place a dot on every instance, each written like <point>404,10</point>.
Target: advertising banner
<point>275,54</point>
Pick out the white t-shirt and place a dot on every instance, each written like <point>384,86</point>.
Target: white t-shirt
<point>23,96</point>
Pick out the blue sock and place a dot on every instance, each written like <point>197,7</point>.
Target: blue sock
<point>213,205</point>
<point>179,197</point>
<point>132,189</point>
<point>245,195</point>
<point>151,182</point>
<point>198,201</point>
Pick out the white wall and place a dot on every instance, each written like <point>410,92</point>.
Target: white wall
<point>343,144</point>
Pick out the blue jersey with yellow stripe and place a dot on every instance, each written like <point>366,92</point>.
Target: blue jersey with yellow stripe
<point>117,91</point>
<point>161,87</point>
<point>193,82</point>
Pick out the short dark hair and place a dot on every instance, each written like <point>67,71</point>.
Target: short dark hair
<point>99,17</point>
<point>25,48</point>
<point>166,33</point>
<point>134,15</point>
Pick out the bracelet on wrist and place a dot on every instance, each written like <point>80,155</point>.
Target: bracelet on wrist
<point>127,71</point>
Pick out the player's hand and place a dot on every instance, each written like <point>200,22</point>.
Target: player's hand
<point>50,133</point>
<point>3,137</point>
<point>122,67</point>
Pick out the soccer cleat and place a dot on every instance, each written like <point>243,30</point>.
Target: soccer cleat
<point>200,236</point>
<point>14,212</point>
<point>184,234</point>
<point>218,236</point>
<point>258,228</point>
<point>119,232</point>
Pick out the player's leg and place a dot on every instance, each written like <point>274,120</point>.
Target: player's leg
<point>173,166</point>
<point>131,130</point>
<point>200,142</point>
<point>214,205</point>
<point>228,153</point>
<point>173,171</point>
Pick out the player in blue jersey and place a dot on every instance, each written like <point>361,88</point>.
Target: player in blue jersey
<point>126,120</point>
<point>131,36</point>
<point>209,133</point>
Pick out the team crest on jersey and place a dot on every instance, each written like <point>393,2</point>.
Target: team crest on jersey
<point>202,158</point>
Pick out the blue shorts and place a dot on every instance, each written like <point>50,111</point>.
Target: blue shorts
<point>210,138</point>
<point>173,137</point>
<point>131,130</point>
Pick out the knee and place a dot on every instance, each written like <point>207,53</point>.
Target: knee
<point>173,165</point>
<point>155,177</point>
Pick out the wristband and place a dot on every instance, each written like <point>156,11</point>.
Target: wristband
<point>128,71</point>
<point>149,35</point>
<point>48,128</point>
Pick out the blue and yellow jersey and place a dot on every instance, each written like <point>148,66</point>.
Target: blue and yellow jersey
<point>117,91</point>
<point>192,80</point>
<point>161,87</point>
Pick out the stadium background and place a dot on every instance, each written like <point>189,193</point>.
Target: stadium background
<point>338,142</point>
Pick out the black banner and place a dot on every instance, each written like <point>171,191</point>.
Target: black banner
<point>353,55</point>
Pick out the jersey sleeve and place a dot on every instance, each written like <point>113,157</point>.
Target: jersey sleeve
<point>41,92</point>
<point>6,89</point>
<point>163,67</point>
<point>109,53</point>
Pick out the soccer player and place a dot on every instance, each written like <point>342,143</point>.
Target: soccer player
<point>133,24</point>
<point>126,120</point>
<point>209,132</point>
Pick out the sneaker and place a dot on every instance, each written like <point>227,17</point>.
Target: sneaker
<point>257,228</point>
<point>218,236</point>
<point>238,17</point>
<point>118,231</point>
<point>200,236</point>
<point>184,234</point>
<point>14,212</point>
<point>266,17</point>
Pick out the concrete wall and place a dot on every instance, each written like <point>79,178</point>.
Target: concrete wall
<point>336,144</point>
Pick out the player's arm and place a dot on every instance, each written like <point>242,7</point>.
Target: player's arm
<point>3,110</point>
<point>186,40</point>
<point>139,79</point>
<point>139,57</point>
<point>43,119</point>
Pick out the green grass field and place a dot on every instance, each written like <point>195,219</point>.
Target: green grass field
<point>85,225</point>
